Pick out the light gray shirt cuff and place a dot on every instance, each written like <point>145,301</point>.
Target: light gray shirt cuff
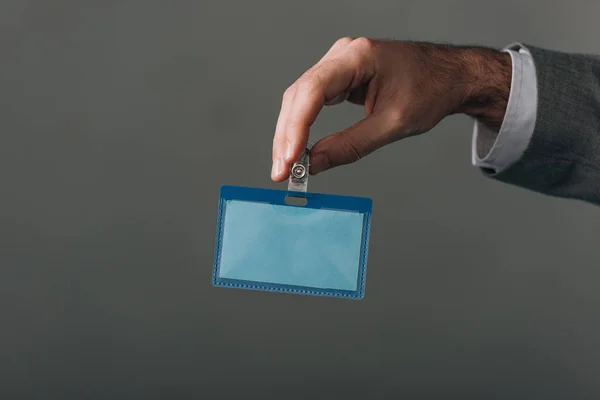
<point>499,150</point>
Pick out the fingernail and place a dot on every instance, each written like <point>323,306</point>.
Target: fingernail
<point>288,151</point>
<point>318,163</point>
<point>277,168</point>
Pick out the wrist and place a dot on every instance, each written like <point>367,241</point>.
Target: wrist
<point>487,80</point>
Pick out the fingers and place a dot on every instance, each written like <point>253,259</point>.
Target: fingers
<point>344,68</point>
<point>338,47</point>
<point>280,143</point>
<point>301,104</point>
<point>352,144</point>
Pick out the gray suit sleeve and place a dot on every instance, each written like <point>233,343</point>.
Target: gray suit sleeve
<point>563,156</point>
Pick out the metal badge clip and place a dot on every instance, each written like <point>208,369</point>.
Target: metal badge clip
<point>298,180</point>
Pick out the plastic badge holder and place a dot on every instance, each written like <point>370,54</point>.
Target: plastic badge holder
<point>318,248</point>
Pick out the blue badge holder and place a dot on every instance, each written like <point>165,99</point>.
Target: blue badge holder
<point>317,248</point>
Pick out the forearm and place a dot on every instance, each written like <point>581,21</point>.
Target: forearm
<point>486,77</point>
<point>475,80</point>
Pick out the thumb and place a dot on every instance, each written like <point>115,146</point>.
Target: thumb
<point>352,144</point>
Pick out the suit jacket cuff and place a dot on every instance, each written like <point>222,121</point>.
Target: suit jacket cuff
<point>493,150</point>
<point>563,155</point>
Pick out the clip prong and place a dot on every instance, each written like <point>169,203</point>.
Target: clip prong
<point>298,180</point>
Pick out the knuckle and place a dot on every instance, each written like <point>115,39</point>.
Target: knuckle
<point>343,41</point>
<point>289,93</point>
<point>403,121</point>
<point>310,85</point>
<point>397,116</point>
<point>295,122</point>
<point>363,45</point>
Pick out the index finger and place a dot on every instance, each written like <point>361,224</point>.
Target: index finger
<point>302,103</point>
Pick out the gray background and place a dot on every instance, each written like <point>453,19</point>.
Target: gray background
<point>119,120</point>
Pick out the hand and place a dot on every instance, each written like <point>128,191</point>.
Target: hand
<point>406,89</point>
